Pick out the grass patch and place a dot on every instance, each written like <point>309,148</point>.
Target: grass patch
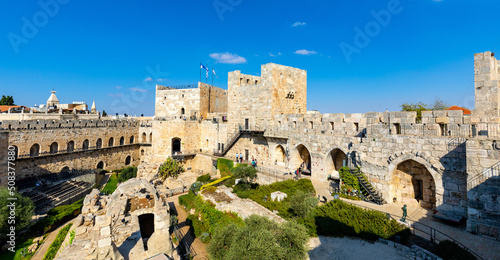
<point>224,166</point>
<point>54,247</point>
<point>111,185</point>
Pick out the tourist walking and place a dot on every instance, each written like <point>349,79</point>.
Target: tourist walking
<point>237,158</point>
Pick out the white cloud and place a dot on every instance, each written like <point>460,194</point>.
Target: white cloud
<point>115,95</point>
<point>118,87</point>
<point>297,24</point>
<point>274,55</point>
<point>305,52</point>
<point>138,89</point>
<point>148,79</point>
<point>228,58</point>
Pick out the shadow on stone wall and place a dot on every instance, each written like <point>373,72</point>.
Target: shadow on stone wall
<point>484,208</point>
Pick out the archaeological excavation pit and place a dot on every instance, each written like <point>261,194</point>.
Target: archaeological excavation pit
<point>147,226</point>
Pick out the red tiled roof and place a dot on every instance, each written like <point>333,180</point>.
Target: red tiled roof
<point>466,111</point>
<point>6,108</point>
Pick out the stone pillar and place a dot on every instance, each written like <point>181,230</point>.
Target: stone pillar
<point>487,96</point>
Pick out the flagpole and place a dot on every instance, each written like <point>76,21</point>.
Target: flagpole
<point>200,71</point>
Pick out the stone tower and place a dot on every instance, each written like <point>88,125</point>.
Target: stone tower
<point>487,94</point>
<point>93,109</point>
<point>52,101</point>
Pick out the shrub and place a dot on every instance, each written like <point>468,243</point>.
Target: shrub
<point>170,168</point>
<point>54,247</point>
<point>450,250</point>
<point>211,218</point>
<point>23,210</point>
<point>302,203</point>
<point>259,238</point>
<point>246,173</point>
<point>204,178</point>
<point>224,166</point>
<point>350,181</point>
<point>337,218</point>
<point>127,173</point>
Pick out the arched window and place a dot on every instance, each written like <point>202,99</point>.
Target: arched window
<point>111,142</point>
<point>127,160</point>
<point>71,146</point>
<point>183,111</point>
<point>122,140</point>
<point>144,136</point>
<point>35,150</point>
<point>142,152</point>
<point>151,137</point>
<point>131,139</point>
<point>85,145</point>
<point>54,148</point>
<point>98,144</point>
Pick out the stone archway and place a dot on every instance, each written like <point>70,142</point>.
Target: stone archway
<point>335,159</point>
<point>412,183</point>
<point>301,157</point>
<point>279,155</point>
<point>100,165</point>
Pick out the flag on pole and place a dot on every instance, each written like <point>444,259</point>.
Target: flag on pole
<point>203,67</point>
<point>213,71</point>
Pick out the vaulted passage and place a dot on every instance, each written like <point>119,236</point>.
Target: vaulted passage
<point>147,226</point>
<point>412,183</point>
<point>176,145</point>
<point>335,160</point>
<point>301,158</point>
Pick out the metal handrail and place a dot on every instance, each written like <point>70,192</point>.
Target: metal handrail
<point>492,171</point>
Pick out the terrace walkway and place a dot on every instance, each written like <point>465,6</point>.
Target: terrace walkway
<point>485,247</point>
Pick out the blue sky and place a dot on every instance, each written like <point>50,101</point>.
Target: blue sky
<point>115,52</point>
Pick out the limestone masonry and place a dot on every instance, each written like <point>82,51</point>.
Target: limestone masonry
<point>445,161</point>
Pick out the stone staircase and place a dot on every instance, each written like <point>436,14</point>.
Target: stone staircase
<point>367,189</point>
<point>487,173</point>
<point>230,144</point>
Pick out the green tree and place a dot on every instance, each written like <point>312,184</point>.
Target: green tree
<point>418,107</point>
<point>127,173</point>
<point>170,168</point>
<point>301,203</point>
<point>259,238</point>
<point>244,172</point>
<point>23,210</point>
<point>7,101</point>
<point>104,113</point>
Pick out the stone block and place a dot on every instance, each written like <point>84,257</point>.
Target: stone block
<point>104,242</point>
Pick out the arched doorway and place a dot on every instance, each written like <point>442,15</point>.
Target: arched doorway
<point>147,227</point>
<point>412,183</point>
<point>144,136</point>
<point>100,165</point>
<point>335,160</point>
<point>151,137</point>
<point>122,140</point>
<point>85,145</point>
<point>127,160</point>
<point>279,155</point>
<point>142,152</point>
<point>65,170</point>
<point>98,143</point>
<point>131,139</point>
<point>301,158</point>
<point>35,150</point>
<point>176,145</point>
<point>54,147</point>
<point>111,142</point>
